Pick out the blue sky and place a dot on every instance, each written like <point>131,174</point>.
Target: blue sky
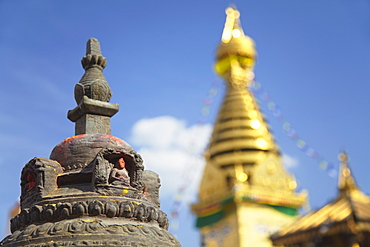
<point>313,60</point>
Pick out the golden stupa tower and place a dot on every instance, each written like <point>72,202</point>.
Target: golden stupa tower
<point>245,194</point>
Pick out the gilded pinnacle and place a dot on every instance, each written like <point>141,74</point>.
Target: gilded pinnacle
<point>343,157</point>
<point>233,41</point>
<point>346,182</point>
<point>232,25</point>
<point>236,53</point>
<point>244,175</point>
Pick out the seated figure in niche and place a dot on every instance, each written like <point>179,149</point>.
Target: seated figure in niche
<point>119,173</point>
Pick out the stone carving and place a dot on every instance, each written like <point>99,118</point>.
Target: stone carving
<point>143,211</point>
<point>92,94</point>
<point>38,178</point>
<point>93,83</point>
<point>152,184</point>
<point>93,190</point>
<point>107,177</point>
<point>77,152</point>
<point>119,173</point>
<point>73,232</point>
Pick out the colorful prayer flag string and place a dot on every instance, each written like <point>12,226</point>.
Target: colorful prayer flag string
<point>302,145</point>
<point>188,172</point>
<point>259,92</point>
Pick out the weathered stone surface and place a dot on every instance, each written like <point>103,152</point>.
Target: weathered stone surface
<point>38,178</point>
<point>91,106</point>
<point>52,210</point>
<point>90,232</point>
<point>152,183</point>
<point>93,83</point>
<point>83,206</point>
<point>93,191</point>
<point>104,165</point>
<point>92,94</point>
<point>90,123</point>
<point>77,152</point>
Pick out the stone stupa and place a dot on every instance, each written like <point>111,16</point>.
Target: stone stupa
<point>93,190</point>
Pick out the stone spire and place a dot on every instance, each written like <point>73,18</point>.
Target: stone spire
<point>93,190</point>
<point>92,94</point>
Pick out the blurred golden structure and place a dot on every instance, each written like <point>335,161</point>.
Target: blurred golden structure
<point>343,222</point>
<point>245,193</point>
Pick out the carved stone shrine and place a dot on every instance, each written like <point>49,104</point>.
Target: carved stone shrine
<point>93,190</point>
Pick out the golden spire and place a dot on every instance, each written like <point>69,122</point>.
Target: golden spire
<point>244,180</point>
<point>240,133</point>
<point>242,149</point>
<point>236,53</point>
<point>346,182</point>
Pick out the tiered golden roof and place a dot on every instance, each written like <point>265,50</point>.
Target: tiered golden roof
<point>243,163</point>
<point>349,213</point>
<point>242,149</point>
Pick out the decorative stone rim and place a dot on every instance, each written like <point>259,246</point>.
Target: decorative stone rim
<point>59,230</point>
<point>50,211</point>
<point>94,60</point>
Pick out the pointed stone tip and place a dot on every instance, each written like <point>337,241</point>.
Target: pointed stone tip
<point>93,47</point>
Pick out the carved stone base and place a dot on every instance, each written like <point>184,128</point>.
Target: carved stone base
<point>93,190</point>
<point>90,232</point>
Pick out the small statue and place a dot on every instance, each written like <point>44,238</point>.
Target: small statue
<point>119,173</point>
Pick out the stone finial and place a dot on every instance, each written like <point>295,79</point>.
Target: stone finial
<point>91,190</point>
<point>92,94</point>
<point>93,47</point>
<point>93,83</point>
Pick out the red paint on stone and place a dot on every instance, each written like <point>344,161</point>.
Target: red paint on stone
<point>78,151</point>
